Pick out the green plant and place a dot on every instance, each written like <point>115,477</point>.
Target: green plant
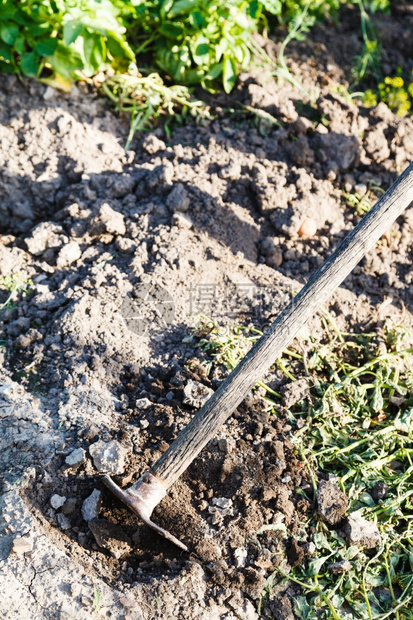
<point>395,92</point>
<point>58,39</point>
<point>147,98</point>
<point>14,284</point>
<point>357,425</point>
<point>367,63</point>
<point>362,203</point>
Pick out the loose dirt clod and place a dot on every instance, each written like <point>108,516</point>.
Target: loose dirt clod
<point>359,531</point>
<point>332,503</point>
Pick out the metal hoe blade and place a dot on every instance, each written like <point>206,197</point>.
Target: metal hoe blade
<point>142,497</point>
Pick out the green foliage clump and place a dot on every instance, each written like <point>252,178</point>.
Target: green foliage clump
<point>395,92</point>
<point>196,41</point>
<point>49,38</point>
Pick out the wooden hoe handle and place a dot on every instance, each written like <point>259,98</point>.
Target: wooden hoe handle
<point>278,336</point>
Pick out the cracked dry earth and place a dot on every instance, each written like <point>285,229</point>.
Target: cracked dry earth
<point>100,369</point>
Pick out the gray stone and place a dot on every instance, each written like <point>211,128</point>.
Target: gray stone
<point>57,501</point>
<point>196,394</point>
<point>63,522</point>
<point>68,254</point>
<point>178,199</point>
<point>359,531</point>
<point>91,505</point>
<point>76,458</point>
<point>22,545</point>
<point>182,220</point>
<point>339,567</point>
<point>108,456</point>
<point>332,503</point>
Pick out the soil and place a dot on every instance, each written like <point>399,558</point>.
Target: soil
<point>123,249</point>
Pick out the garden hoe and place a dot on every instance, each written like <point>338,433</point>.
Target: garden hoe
<point>148,491</point>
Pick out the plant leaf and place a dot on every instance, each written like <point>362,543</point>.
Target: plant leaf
<point>229,74</point>
<point>29,64</point>
<point>8,33</point>
<point>46,47</point>
<point>71,31</point>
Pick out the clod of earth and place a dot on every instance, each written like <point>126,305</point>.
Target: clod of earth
<point>359,531</point>
<point>332,503</point>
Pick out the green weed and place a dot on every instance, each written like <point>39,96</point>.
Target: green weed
<point>147,98</point>
<point>396,92</point>
<point>14,284</point>
<point>362,203</point>
<point>357,425</point>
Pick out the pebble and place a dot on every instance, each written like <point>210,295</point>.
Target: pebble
<point>182,220</point>
<point>240,557</point>
<point>308,227</point>
<point>143,403</point>
<point>76,458</point>
<point>91,505</point>
<point>69,253</point>
<point>127,602</point>
<point>22,545</point>
<point>339,567</point>
<point>359,531</point>
<point>63,522</point>
<point>274,259</point>
<point>57,501</point>
<point>196,394</point>
<point>108,456</point>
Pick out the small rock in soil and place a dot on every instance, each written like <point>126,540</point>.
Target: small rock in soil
<point>379,491</point>
<point>196,394</point>
<point>240,557</point>
<point>107,221</point>
<point>22,545</point>
<point>108,457</point>
<point>127,602</point>
<point>359,531</point>
<point>332,502</point>
<point>111,537</point>
<point>294,392</point>
<point>63,522</point>
<point>182,220</point>
<point>57,501</point>
<point>339,567</point>
<point>68,254</point>
<point>76,458</point>
<point>178,199</point>
<point>91,505</point>
<point>295,554</point>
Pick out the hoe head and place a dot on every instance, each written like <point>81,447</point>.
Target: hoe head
<point>142,497</point>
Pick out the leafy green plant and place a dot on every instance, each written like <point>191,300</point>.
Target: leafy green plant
<point>362,203</point>
<point>395,92</point>
<point>147,97</point>
<point>57,39</point>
